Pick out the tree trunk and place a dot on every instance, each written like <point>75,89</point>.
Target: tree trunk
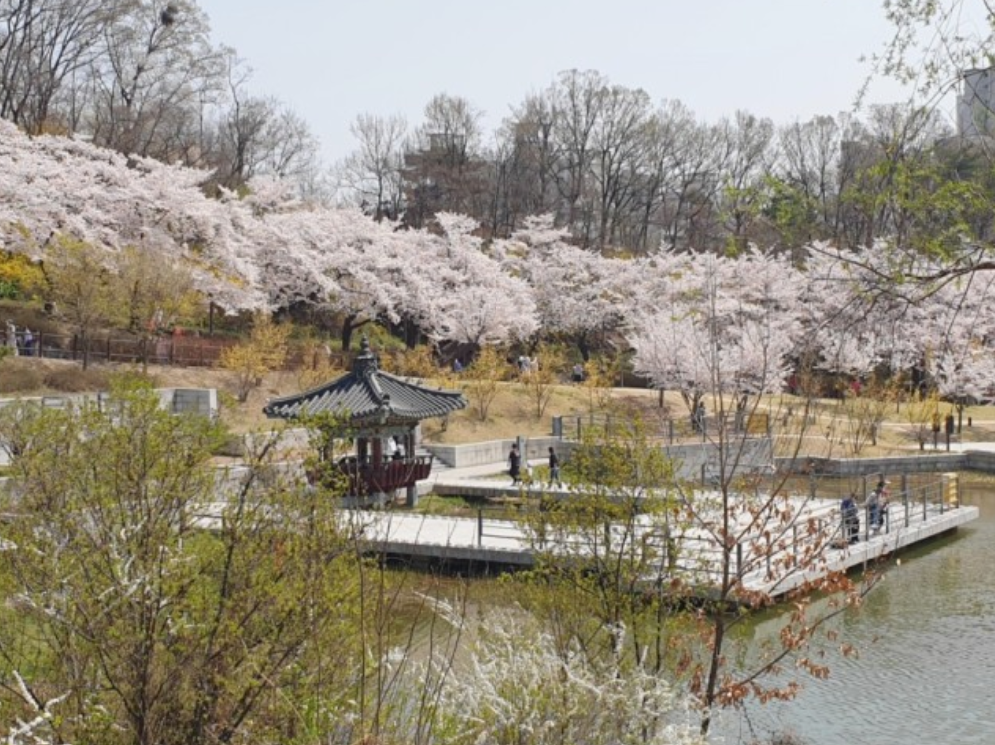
<point>348,326</point>
<point>584,345</point>
<point>412,333</point>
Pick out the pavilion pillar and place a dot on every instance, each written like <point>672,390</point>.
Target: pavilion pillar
<point>377,458</point>
<point>362,449</point>
<point>411,495</point>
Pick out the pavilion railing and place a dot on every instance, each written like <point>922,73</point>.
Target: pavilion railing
<point>385,477</point>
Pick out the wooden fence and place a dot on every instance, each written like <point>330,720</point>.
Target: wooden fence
<point>183,350</point>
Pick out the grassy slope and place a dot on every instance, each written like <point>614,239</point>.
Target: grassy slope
<point>827,432</point>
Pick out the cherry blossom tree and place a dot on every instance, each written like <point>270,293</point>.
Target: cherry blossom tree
<point>719,326</point>
<point>56,185</point>
<point>446,287</point>
<point>463,296</point>
<point>850,324</point>
<point>960,351</point>
<point>578,293</point>
<point>265,250</point>
<point>860,312</point>
<point>332,258</point>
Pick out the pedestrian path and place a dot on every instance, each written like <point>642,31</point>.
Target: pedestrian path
<point>770,568</point>
<point>799,542</point>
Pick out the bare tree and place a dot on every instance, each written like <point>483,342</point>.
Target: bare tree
<point>579,98</point>
<point>256,136</point>
<point>44,43</point>
<point>532,151</point>
<point>619,145</point>
<point>372,172</point>
<point>445,170</point>
<point>690,201</point>
<point>146,89</point>
<point>811,162</point>
<point>655,181</point>
<point>748,145</point>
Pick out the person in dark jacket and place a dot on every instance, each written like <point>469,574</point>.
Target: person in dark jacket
<point>515,465</point>
<point>851,519</point>
<point>554,468</point>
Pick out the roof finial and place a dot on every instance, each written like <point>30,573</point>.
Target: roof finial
<point>366,361</point>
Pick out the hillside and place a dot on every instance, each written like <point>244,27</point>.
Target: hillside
<point>510,414</point>
<point>831,429</point>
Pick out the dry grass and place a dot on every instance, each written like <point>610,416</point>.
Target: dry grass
<point>826,433</point>
<point>23,376</point>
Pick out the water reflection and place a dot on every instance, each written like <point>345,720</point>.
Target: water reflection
<point>926,636</point>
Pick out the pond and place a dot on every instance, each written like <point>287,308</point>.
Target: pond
<point>926,640</point>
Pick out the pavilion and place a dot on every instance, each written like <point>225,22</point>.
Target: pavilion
<point>380,412</point>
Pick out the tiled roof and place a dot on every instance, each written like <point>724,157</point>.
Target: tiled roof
<point>367,393</point>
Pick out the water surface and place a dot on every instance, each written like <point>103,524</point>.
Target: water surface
<point>926,669</point>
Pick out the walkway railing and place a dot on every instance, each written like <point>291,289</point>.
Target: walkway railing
<point>916,504</point>
<point>793,541</point>
<point>666,429</point>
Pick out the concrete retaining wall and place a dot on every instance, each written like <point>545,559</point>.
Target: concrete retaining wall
<point>496,451</point>
<point>977,460</point>
<point>695,461</point>
<point>202,401</point>
<point>972,460</point>
<point>177,400</point>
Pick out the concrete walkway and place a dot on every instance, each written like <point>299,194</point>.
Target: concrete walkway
<point>510,543</point>
<point>766,567</point>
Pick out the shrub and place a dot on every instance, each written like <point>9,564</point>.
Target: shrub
<point>19,276</point>
<point>482,380</point>
<point>232,446</point>
<point>418,363</point>
<point>264,351</point>
<point>316,365</point>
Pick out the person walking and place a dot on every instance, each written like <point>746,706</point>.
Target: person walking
<point>515,465</point>
<point>698,417</point>
<point>554,468</point>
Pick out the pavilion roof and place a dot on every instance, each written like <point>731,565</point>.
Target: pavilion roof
<point>368,394</point>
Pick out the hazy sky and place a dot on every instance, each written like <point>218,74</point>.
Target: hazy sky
<point>333,59</point>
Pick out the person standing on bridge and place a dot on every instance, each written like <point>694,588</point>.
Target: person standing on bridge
<point>851,519</point>
<point>515,465</point>
<point>877,504</point>
<point>882,504</point>
<point>872,505</point>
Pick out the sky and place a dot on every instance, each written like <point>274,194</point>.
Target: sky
<point>331,60</point>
